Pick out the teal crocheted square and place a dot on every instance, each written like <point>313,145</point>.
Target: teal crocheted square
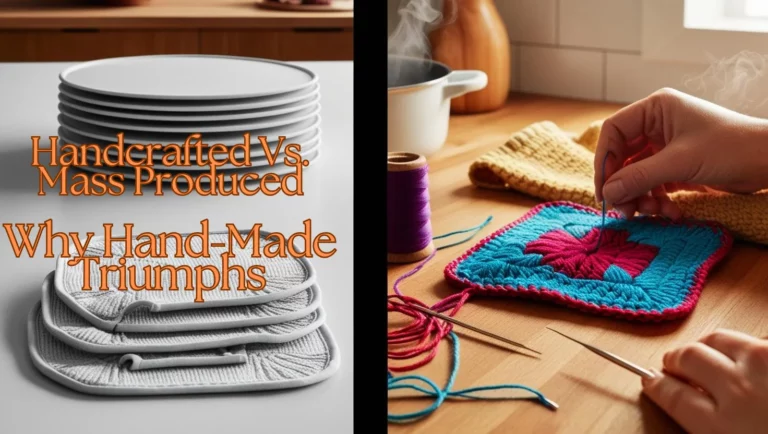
<point>647,268</point>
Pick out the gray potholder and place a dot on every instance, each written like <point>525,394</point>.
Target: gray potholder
<point>142,319</point>
<point>68,327</point>
<point>284,276</point>
<point>307,360</point>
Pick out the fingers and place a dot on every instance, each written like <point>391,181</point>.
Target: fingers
<point>635,180</point>
<point>648,205</point>
<point>667,208</point>
<point>627,209</point>
<point>651,204</point>
<point>685,186</point>
<point>700,364</point>
<point>659,203</point>
<point>690,408</point>
<point>627,132</point>
<point>655,203</point>
<point>731,343</point>
<point>670,209</point>
<point>610,164</point>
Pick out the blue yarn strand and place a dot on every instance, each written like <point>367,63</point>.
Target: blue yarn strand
<point>406,382</point>
<point>440,395</point>
<point>473,230</point>
<point>602,225</point>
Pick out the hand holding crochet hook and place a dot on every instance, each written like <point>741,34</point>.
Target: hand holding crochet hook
<point>669,142</point>
<point>718,384</point>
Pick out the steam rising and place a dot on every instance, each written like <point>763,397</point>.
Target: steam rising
<point>409,38</point>
<point>739,82</point>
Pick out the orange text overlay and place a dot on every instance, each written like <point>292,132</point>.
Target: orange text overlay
<point>109,167</point>
<point>202,276</point>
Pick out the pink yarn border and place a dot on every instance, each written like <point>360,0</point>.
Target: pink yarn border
<point>532,292</point>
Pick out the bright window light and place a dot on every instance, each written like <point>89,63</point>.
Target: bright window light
<point>756,8</point>
<point>727,15</point>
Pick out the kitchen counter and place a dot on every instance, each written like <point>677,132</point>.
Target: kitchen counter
<point>167,14</point>
<point>51,31</point>
<point>594,395</point>
<point>31,403</point>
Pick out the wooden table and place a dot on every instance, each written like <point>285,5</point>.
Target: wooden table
<point>594,395</point>
<point>57,30</point>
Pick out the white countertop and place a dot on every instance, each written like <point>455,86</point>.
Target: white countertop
<point>31,403</point>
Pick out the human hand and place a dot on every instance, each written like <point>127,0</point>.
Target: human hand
<point>716,385</point>
<point>671,141</point>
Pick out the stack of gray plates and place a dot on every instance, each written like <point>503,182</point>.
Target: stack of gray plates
<point>164,99</point>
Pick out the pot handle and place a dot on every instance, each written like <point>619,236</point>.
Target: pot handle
<point>462,82</point>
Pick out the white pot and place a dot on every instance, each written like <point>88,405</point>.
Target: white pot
<point>419,102</point>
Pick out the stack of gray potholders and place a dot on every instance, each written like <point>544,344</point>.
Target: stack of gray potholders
<point>153,342</point>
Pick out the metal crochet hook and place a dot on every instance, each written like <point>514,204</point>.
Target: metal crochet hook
<point>611,357</point>
<point>470,327</point>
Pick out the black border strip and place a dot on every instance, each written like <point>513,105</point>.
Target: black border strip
<point>370,171</point>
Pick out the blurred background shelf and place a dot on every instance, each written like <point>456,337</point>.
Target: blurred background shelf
<point>47,30</point>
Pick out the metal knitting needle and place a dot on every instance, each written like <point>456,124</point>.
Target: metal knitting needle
<point>611,357</point>
<point>470,327</point>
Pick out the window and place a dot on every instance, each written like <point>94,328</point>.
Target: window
<point>698,31</point>
<point>755,8</point>
<point>727,15</point>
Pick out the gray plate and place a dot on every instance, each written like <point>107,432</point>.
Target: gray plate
<point>189,116</point>
<point>187,127</point>
<point>197,106</point>
<point>187,77</point>
<point>229,139</point>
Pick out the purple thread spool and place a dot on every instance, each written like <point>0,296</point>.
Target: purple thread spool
<point>409,230</point>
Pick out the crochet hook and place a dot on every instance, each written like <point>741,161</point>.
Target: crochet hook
<point>611,357</point>
<point>470,327</point>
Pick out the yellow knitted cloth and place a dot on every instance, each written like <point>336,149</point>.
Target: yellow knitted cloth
<point>545,162</point>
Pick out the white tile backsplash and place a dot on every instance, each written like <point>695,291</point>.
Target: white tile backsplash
<point>515,69</point>
<point>561,71</point>
<point>533,21</point>
<point>629,77</point>
<point>590,49</point>
<point>608,24</point>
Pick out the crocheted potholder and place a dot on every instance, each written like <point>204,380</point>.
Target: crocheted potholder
<point>543,161</point>
<point>647,268</point>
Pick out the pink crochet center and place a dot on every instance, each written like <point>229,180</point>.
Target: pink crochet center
<point>582,258</point>
<point>554,296</point>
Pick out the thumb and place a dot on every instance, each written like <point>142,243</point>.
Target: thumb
<point>639,178</point>
<point>693,410</point>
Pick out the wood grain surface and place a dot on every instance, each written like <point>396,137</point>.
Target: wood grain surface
<point>594,395</point>
<point>286,45</point>
<point>48,31</point>
<point>54,46</point>
<point>162,14</point>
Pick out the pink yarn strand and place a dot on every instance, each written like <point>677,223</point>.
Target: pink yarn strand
<point>424,333</point>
